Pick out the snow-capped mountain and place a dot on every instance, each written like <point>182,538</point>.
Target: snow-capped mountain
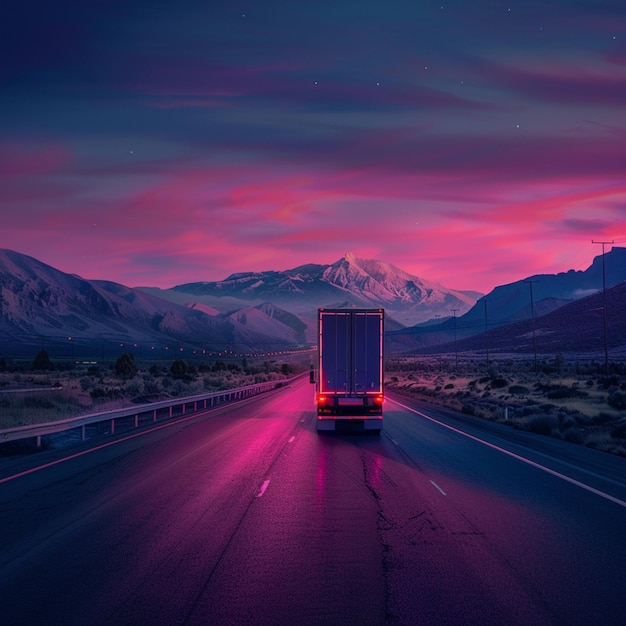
<point>350,281</point>
<point>257,311</point>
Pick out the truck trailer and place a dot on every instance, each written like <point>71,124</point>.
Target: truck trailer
<point>349,377</point>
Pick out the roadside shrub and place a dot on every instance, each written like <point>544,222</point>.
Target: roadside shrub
<point>602,418</point>
<point>181,370</point>
<point>134,388</point>
<point>499,383</point>
<point>209,384</point>
<point>449,386</point>
<point>528,410</point>
<point>608,381</point>
<point>125,365</point>
<point>97,393</point>
<point>617,399</point>
<point>566,392</point>
<point>542,424</point>
<point>151,386</point>
<point>42,362</point>
<point>567,422</point>
<point>572,435</point>
<point>100,393</point>
<point>519,390</point>
<point>545,387</point>
<point>619,432</point>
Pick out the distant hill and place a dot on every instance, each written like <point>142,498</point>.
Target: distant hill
<point>43,306</point>
<point>576,327</point>
<point>512,302</point>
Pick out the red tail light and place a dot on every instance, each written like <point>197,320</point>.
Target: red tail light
<point>379,399</point>
<point>321,400</point>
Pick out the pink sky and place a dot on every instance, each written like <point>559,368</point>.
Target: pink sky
<point>489,148</point>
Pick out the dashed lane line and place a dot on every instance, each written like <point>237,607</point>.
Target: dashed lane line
<point>437,487</point>
<point>263,488</point>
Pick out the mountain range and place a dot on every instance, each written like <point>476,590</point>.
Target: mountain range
<point>361,283</point>
<point>42,306</point>
<point>574,328</point>
<point>261,311</point>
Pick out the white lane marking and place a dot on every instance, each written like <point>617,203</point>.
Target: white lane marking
<point>302,420</point>
<point>263,488</point>
<point>291,439</point>
<point>395,443</point>
<point>437,487</point>
<point>573,481</point>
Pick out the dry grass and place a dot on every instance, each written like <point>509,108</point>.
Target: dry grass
<point>582,408</point>
<point>36,397</point>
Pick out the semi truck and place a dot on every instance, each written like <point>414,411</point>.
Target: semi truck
<point>349,373</point>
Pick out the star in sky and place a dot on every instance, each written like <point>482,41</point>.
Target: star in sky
<point>270,138</point>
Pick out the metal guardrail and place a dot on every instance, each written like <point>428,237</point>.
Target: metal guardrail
<point>141,413</point>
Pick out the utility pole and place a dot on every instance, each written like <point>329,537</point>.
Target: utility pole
<point>456,353</point>
<point>486,330</point>
<point>438,317</point>
<point>532,314</point>
<point>606,347</point>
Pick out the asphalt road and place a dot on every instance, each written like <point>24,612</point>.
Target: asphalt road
<point>247,516</point>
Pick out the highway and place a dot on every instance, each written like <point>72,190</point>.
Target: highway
<point>245,515</point>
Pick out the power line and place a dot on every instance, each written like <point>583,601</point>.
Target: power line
<point>532,314</point>
<point>606,346</point>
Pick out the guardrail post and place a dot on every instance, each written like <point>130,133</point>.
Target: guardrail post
<point>112,425</point>
<point>171,408</point>
<point>136,421</point>
<point>82,432</point>
<point>39,441</point>
<point>154,415</point>
<point>195,406</point>
<point>184,405</point>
